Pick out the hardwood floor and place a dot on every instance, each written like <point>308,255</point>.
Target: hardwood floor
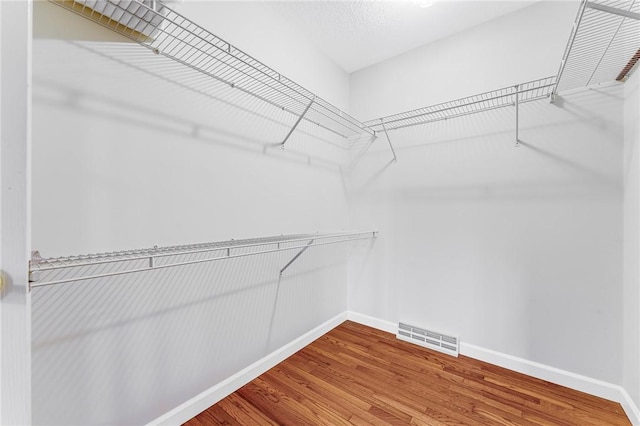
<point>356,375</point>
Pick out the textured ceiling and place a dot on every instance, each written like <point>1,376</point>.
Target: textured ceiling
<point>356,33</point>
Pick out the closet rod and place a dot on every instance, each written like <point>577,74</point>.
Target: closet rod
<point>38,264</point>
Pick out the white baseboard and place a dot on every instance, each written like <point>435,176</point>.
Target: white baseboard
<point>206,399</point>
<point>630,408</point>
<point>541,371</point>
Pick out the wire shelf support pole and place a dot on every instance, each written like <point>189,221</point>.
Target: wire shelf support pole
<point>393,151</point>
<point>309,244</point>
<point>286,138</point>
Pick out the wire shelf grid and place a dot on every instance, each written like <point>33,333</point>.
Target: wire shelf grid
<point>60,270</point>
<point>168,33</point>
<point>500,98</point>
<point>604,39</point>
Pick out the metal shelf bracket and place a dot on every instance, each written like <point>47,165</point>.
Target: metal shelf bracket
<point>393,151</point>
<point>286,138</point>
<point>294,258</point>
<point>36,259</point>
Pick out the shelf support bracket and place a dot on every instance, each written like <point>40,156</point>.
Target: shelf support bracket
<point>296,256</point>
<point>34,276</point>
<point>517,115</point>
<point>286,138</point>
<point>393,151</point>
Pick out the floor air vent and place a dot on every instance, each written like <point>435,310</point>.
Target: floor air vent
<point>429,339</point>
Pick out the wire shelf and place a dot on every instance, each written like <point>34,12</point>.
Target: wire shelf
<point>61,270</point>
<point>500,98</point>
<point>604,41</point>
<point>168,33</point>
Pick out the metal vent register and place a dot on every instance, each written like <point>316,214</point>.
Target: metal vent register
<point>429,339</point>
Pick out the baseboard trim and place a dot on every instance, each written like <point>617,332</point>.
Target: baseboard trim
<point>571,380</point>
<point>630,408</point>
<point>206,399</point>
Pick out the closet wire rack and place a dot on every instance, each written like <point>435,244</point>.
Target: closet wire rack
<point>500,98</point>
<point>604,44</point>
<point>60,270</point>
<point>162,30</point>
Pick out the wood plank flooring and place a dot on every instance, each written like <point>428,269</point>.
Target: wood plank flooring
<point>356,375</point>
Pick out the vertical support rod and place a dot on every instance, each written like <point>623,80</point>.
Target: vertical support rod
<point>393,151</point>
<point>15,212</point>
<point>517,115</point>
<point>286,138</point>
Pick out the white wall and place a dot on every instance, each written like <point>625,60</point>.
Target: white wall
<point>517,250</point>
<point>631,289</point>
<point>131,150</point>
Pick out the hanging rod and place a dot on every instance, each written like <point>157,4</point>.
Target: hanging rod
<point>604,39</point>
<point>524,92</point>
<point>165,32</point>
<point>61,270</point>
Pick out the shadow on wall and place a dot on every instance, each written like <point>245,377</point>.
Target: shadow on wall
<point>127,349</point>
<point>476,156</point>
<point>124,83</point>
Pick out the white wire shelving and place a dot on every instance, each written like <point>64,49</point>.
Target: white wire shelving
<point>511,96</point>
<point>61,270</point>
<point>604,44</point>
<point>166,32</point>
<point>500,98</point>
